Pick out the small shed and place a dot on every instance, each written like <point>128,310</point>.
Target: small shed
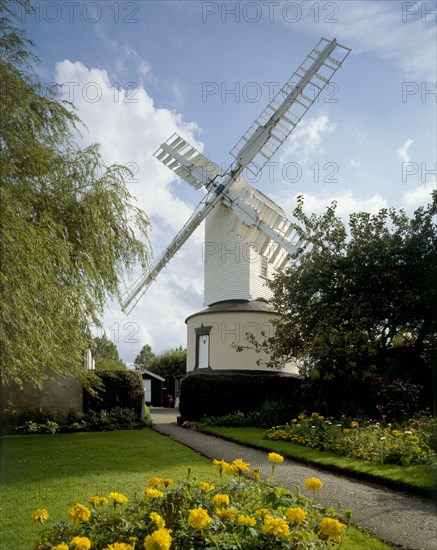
<point>153,388</point>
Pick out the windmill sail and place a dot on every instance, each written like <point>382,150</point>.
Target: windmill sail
<point>284,112</point>
<point>255,218</point>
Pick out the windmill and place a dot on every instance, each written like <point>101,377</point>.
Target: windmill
<point>247,235</point>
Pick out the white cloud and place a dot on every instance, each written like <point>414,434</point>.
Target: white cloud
<point>129,129</point>
<point>382,28</point>
<point>346,203</point>
<point>306,139</point>
<point>402,151</point>
<point>419,196</point>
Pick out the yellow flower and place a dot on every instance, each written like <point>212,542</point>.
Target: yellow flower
<point>246,521</point>
<point>313,484</point>
<point>61,546</point>
<point>276,527</point>
<point>167,482</point>
<point>80,543</point>
<point>220,500</point>
<point>206,487</point>
<point>332,528</point>
<point>98,501</point>
<point>118,498</point>
<point>40,515</point>
<point>79,512</point>
<point>229,469</point>
<point>154,482</point>
<point>296,515</point>
<point>256,474</point>
<point>158,540</point>
<point>224,513</point>
<point>153,493</point>
<point>264,512</point>
<point>198,518</point>
<point>240,466</point>
<point>275,458</point>
<point>346,430</point>
<point>157,519</point>
<point>119,546</point>
<point>219,464</point>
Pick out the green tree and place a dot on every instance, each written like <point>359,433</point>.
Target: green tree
<point>169,363</point>
<point>144,359</point>
<point>69,228</point>
<point>106,354</point>
<point>352,293</point>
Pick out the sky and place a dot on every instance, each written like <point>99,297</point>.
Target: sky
<point>139,71</point>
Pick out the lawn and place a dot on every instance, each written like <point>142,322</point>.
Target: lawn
<point>56,471</point>
<point>420,480</point>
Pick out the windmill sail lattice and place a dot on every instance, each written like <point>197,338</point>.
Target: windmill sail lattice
<point>256,219</point>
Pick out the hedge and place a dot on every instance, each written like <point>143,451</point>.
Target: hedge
<point>121,388</point>
<point>220,394</point>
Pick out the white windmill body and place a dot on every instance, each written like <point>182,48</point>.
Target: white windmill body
<point>247,235</point>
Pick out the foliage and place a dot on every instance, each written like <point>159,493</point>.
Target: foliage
<point>235,513</point>
<point>122,388</point>
<point>404,444</point>
<point>170,363</point>
<point>354,293</point>
<point>69,226</point>
<point>203,395</point>
<point>270,413</point>
<point>144,359</point>
<point>42,421</point>
<point>106,354</point>
<point>399,400</point>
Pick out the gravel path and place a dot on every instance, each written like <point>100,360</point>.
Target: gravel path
<point>409,522</point>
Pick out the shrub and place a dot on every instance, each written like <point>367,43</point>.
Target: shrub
<point>235,512</point>
<point>270,413</point>
<point>207,395</point>
<point>121,388</point>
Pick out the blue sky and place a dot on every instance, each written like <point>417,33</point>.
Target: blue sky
<point>140,71</point>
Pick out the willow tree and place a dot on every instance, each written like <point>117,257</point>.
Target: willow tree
<point>69,226</point>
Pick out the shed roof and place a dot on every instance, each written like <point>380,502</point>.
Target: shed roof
<point>153,375</point>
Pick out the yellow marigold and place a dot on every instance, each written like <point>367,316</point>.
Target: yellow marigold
<point>98,501</point>
<point>346,430</point>
<point>275,458</point>
<point>61,546</point>
<point>167,482</point>
<point>153,493</point>
<point>246,521</point>
<point>332,528</point>
<point>220,499</point>
<point>240,466</point>
<point>206,487</point>
<point>263,512</point>
<point>118,498</point>
<point>158,540</point>
<point>119,546</point>
<point>198,518</point>
<point>40,515</point>
<point>154,482</point>
<point>313,484</point>
<point>219,464</point>
<point>224,513</point>
<point>79,512</point>
<point>229,469</point>
<point>276,527</point>
<point>80,543</point>
<point>256,474</point>
<point>157,519</point>
<point>296,515</point>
